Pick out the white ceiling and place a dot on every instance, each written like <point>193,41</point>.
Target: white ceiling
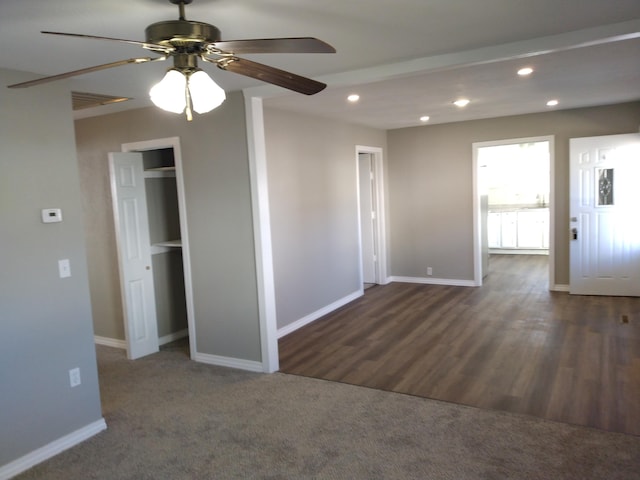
<point>405,58</point>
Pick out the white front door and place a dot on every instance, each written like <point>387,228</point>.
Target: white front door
<point>604,219</point>
<point>134,253</point>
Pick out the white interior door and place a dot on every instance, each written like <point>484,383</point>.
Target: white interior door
<point>605,232</point>
<point>134,253</point>
<point>367,218</point>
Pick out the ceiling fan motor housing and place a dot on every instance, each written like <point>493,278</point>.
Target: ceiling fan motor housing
<point>184,35</point>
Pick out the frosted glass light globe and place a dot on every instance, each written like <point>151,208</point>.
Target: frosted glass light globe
<point>169,94</point>
<point>205,93</point>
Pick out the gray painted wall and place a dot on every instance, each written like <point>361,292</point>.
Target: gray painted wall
<point>218,200</point>
<point>46,321</point>
<point>312,177</point>
<point>430,184</point>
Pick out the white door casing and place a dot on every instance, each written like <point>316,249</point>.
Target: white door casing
<point>367,218</point>
<point>508,227</point>
<point>174,144</point>
<point>134,253</point>
<point>604,226</point>
<point>377,207</point>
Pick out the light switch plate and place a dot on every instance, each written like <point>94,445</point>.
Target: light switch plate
<point>64,268</point>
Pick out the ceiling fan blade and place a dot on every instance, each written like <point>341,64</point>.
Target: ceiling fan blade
<point>272,75</point>
<point>149,46</point>
<point>274,45</point>
<point>82,71</point>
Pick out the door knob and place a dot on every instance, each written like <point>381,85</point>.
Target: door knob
<point>574,233</point>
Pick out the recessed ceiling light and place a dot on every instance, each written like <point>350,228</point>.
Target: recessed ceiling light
<point>461,102</point>
<point>353,97</point>
<point>424,118</point>
<point>523,72</point>
<point>552,103</point>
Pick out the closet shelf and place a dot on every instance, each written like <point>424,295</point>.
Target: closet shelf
<point>165,247</point>
<point>170,168</point>
<point>160,172</point>
<point>169,243</point>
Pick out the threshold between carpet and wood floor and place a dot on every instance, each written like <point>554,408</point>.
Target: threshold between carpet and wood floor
<point>510,345</point>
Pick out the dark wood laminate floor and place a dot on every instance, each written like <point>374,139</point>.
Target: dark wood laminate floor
<point>510,345</point>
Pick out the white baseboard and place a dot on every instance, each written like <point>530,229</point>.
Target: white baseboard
<point>172,337</point>
<point>518,251</point>
<point>230,362</point>
<point>435,281</point>
<point>54,448</point>
<point>115,343</point>
<point>292,327</point>
<point>110,342</point>
<point>460,283</point>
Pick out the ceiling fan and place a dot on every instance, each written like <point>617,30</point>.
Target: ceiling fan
<point>186,41</point>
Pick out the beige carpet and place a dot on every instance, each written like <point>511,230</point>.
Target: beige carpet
<point>170,418</point>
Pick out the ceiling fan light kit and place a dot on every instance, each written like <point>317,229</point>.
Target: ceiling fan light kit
<point>186,87</point>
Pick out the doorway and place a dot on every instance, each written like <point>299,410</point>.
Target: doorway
<point>371,216</point>
<point>157,294</point>
<point>513,200</point>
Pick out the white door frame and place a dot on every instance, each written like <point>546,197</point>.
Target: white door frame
<point>367,219</point>
<point>174,143</point>
<point>378,207</point>
<point>477,228</point>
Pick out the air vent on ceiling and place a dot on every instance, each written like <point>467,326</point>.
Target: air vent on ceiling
<point>88,100</point>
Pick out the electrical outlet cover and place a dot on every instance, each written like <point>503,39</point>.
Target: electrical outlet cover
<point>51,215</point>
